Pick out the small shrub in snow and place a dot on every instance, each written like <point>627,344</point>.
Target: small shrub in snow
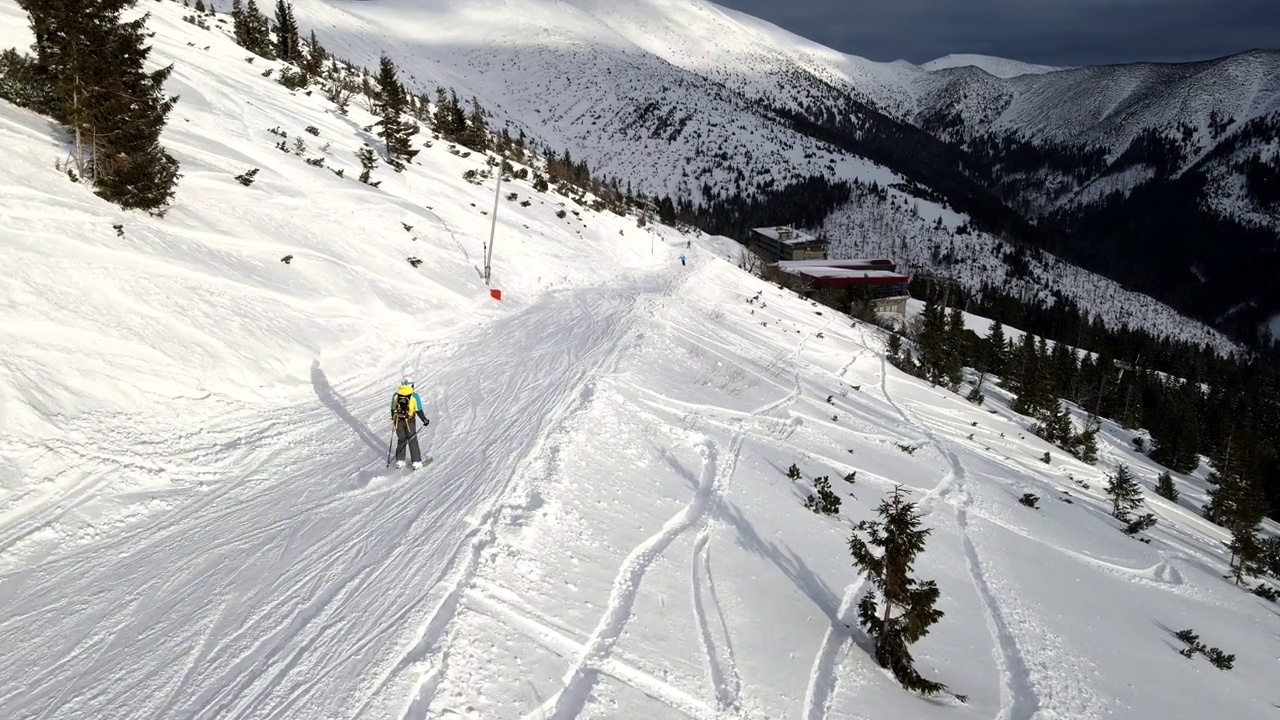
<point>407,227</point>
<point>338,171</point>
<point>908,449</point>
<point>313,130</point>
<point>560,214</point>
<point>851,477</point>
<point>368,161</point>
<point>1220,659</point>
<point>292,78</point>
<point>525,203</point>
<point>513,196</point>
<point>1030,500</point>
<point>315,162</point>
<point>414,261</point>
<point>1047,458</point>
<point>825,502</point>
<point>1266,592</point>
<point>793,472</point>
<point>1146,521</point>
<point>299,146</point>
<point>286,259</point>
<point>1165,487</point>
<point>246,178</point>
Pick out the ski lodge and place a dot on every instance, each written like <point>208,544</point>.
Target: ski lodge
<point>877,280</point>
<point>786,243</point>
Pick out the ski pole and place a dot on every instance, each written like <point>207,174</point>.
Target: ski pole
<point>395,430</point>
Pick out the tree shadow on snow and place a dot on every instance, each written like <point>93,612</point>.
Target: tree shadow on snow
<point>785,559</point>
<point>333,401</point>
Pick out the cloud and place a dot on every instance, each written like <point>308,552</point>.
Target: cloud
<point>1055,32</point>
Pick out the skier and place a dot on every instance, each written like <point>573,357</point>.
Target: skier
<point>406,409</point>
<point>682,259</point>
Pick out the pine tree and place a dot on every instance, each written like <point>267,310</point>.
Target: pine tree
<point>909,605</point>
<point>932,342</point>
<point>894,348</point>
<point>477,129</point>
<point>392,106</point>
<point>1237,504</point>
<point>288,45</point>
<point>252,29</point>
<point>1125,494</point>
<point>313,59</point>
<point>115,108</point>
<point>1086,444</point>
<point>953,363</point>
<point>240,24</point>
<point>1056,428</point>
<point>1165,487</point>
<point>1126,498</point>
<point>996,349</point>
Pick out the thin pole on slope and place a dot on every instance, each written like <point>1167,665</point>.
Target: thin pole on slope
<point>488,253</point>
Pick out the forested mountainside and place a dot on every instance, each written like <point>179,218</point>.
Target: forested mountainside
<point>1163,176</point>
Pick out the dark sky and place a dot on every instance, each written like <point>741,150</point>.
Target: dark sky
<point>1054,32</point>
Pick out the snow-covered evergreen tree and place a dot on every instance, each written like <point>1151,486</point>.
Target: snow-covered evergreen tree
<point>906,607</point>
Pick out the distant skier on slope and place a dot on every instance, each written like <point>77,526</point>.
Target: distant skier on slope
<point>682,259</point>
<point>406,409</point>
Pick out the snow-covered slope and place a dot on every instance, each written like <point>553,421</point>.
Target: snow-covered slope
<point>1110,104</point>
<point>195,518</point>
<point>673,97</point>
<point>1122,113</point>
<point>995,66</point>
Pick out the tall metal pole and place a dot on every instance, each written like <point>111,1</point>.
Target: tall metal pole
<point>488,255</point>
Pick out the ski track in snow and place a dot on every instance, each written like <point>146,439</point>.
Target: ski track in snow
<point>823,678</point>
<point>431,646</point>
<point>507,607</point>
<point>716,641</point>
<point>571,700</point>
<point>1018,698</point>
<point>1055,684</point>
<point>281,638</point>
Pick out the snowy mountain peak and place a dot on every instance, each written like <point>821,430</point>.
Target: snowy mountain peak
<point>995,66</point>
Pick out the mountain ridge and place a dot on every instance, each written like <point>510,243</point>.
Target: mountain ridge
<point>693,101</point>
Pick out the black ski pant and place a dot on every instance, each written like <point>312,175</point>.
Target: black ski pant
<point>405,430</point>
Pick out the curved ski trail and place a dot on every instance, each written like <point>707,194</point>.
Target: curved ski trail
<point>570,701</point>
